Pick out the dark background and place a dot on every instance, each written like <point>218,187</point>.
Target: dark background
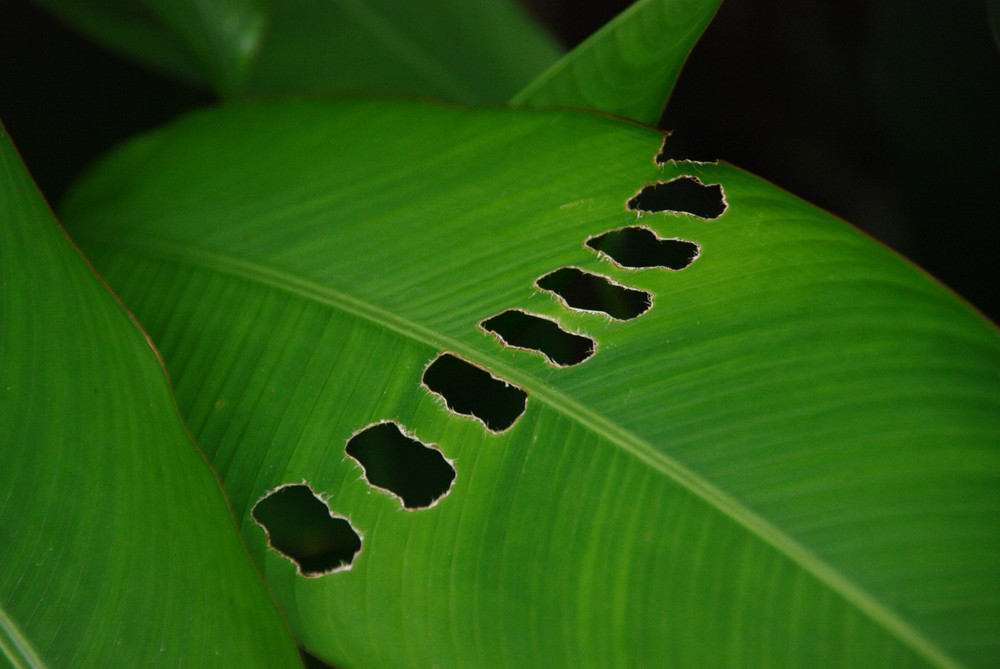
<point>884,112</point>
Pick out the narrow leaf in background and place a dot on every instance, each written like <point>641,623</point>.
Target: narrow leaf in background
<point>224,35</point>
<point>117,548</point>
<point>628,67</point>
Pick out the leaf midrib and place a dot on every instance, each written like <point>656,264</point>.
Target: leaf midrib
<point>877,611</point>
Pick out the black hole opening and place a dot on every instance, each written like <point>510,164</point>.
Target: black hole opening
<point>472,391</point>
<point>520,330</point>
<point>682,195</point>
<point>416,473</point>
<point>300,527</point>
<point>590,292</point>
<point>680,151</point>
<point>638,248</point>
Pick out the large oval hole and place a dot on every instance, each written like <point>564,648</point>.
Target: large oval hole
<point>416,473</point>
<point>472,391</point>
<point>636,247</point>
<point>518,329</point>
<point>591,292</point>
<point>300,526</point>
<point>683,195</point>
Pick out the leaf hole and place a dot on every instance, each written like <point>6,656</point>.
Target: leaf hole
<point>683,195</point>
<point>472,391</point>
<point>591,292</point>
<point>637,247</point>
<point>300,526</point>
<point>665,156</point>
<point>418,474</point>
<point>518,329</point>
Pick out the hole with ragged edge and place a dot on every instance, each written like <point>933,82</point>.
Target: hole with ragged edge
<point>683,195</point>
<point>637,247</point>
<point>667,151</point>
<point>662,155</point>
<point>592,292</point>
<point>418,474</point>
<point>472,391</point>
<point>300,526</point>
<point>519,329</point>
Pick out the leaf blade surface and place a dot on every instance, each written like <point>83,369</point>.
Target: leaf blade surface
<point>628,67</point>
<point>789,460</point>
<point>116,544</point>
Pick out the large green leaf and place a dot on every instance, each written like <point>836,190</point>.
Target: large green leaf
<point>629,67</point>
<point>470,51</point>
<point>117,548</point>
<point>791,459</point>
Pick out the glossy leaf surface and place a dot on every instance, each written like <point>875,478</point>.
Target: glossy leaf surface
<point>791,459</point>
<point>629,67</point>
<point>117,548</point>
<point>470,51</point>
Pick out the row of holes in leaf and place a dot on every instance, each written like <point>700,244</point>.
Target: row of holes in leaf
<point>633,247</point>
<point>299,523</point>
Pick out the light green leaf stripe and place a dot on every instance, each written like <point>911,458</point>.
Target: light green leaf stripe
<point>16,649</point>
<point>629,67</point>
<point>117,548</point>
<point>790,460</point>
<point>224,36</point>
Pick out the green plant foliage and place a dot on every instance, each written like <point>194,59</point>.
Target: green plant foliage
<point>116,544</point>
<point>789,460</point>
<point>630,66</point>
<point>212,42</point>
<point>469,51</point>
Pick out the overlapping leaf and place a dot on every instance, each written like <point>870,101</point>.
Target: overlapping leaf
<point>629,67</point>
<point>212,42</point>
<point>116,545</point>
<point>470,51</point>
<point>791,459</point>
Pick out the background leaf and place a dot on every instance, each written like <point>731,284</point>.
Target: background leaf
<point>213,42</point>
<point>628,67</point>
<point>823,101</point>
<point>469,51</point>
<point>790,460</point>
<point>116,544</point>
